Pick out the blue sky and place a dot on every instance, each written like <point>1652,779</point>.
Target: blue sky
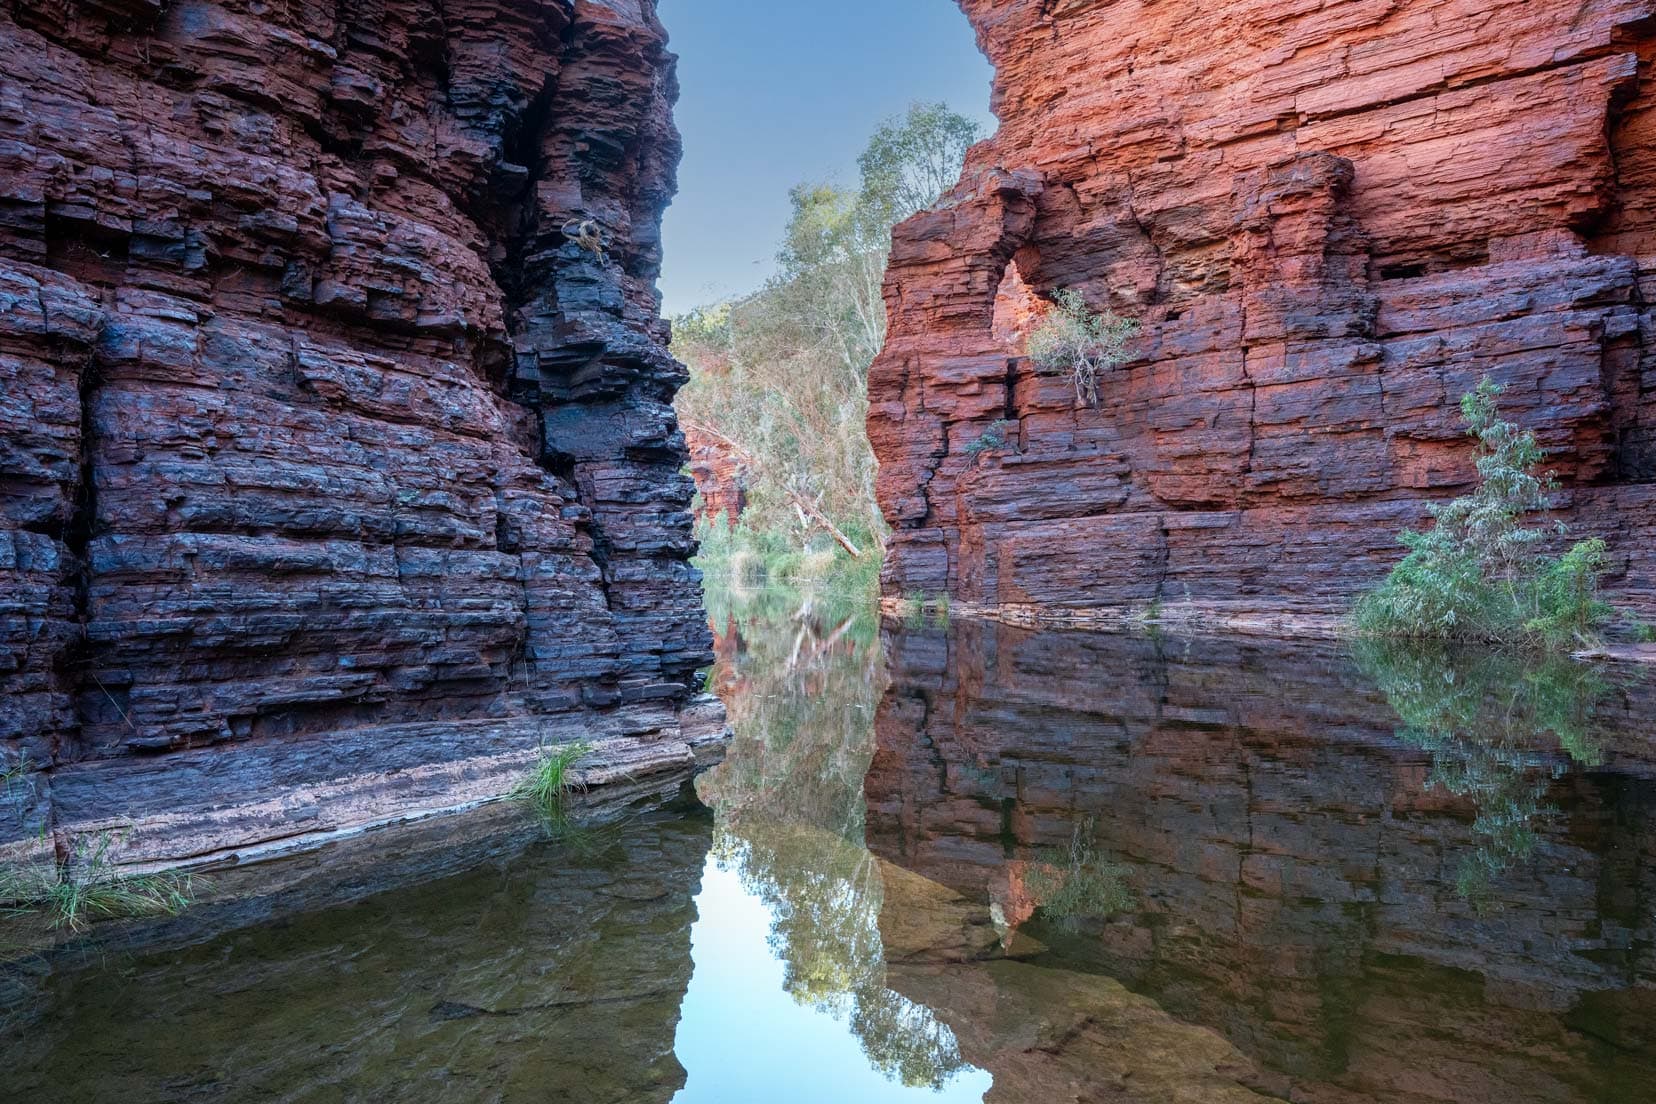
<point>776,92</point>
<point>741,1037</point>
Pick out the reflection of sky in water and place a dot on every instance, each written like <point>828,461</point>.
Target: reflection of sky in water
<point>743,1038</point>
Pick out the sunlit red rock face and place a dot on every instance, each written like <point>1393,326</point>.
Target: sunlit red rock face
<point>1332,219</point>
<point>721,476</point>
<point>314,418</point>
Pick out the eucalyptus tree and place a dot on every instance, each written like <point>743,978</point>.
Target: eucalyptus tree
<point>782,375</point>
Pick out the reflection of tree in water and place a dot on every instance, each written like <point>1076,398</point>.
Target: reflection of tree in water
<point>1490,721</point>
<point>802,677</point>
<point>825,894</point>
<point>1076,882</point>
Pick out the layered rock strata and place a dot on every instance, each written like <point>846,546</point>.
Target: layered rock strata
<point>721,477</point>
<point>1296,875</point>
<point>1331,220</point>
<point>334,403</point>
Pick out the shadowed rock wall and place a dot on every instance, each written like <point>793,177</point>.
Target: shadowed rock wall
<point>1332,220</point>
<point>315,420</point>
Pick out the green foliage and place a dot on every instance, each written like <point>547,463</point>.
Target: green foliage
<point>1479,573</point>
<point>992,439</point>
<point>909,163</point>
<point>87,887</point>
<point>802,692</point>
<point>17,782</point>
<point>745,555</point>
<point>1076,341</point>
<point>1643,631</point>
<point>1076,882</point>
<point>926,611</point>
<point>783,373</point>
<point>905,1040</point>
<point>1489,720</point>
<point>550,782</point>
<point>1567,609</point>
<point>852,614</point>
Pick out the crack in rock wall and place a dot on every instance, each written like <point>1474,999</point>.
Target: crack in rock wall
<point>318,428</point>
<point>1332,220</point>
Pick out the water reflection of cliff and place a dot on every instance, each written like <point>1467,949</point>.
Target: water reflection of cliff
<point>1403,879</point>
<point>543,971</point>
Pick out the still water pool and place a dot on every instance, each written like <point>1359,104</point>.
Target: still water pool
<point>956,863</point>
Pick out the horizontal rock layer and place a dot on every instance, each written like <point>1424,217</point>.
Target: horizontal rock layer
<point>333,392</point>
<point>1331,221</point>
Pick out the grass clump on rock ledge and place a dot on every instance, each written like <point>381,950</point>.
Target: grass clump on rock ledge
<point>88,887</point>
<point>552,780</point>
<point>1479,574</point>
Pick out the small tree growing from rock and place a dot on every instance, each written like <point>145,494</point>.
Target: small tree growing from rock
<point>1076,341</point>
<point>1479,573</point>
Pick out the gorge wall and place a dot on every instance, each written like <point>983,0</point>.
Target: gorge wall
<point>336,445</point>
<point>1332,219</point>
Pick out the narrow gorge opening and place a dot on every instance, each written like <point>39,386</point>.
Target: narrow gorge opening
<point>797,168</point>
<point>1143,593</point>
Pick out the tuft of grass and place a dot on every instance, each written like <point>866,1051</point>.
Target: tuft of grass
<point>17,782</point>
<point>550,782</point>
<point>87,888</point>
<point>926,611</point>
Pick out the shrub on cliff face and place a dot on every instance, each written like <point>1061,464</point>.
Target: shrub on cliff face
<point>1479,573</point>
<point>992,439</point>
<point>1079,342</point>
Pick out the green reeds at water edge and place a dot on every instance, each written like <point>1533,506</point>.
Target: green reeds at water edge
<point>87,887</point>
<point>551,780</point>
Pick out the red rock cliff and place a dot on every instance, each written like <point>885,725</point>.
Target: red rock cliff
<point>720,475</point>
<point>1332,219</point>
<point>316,414</point>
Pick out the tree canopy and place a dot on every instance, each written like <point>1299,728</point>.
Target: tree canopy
<point>783,373</point>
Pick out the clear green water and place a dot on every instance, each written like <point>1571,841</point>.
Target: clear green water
<point>957,863</point>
